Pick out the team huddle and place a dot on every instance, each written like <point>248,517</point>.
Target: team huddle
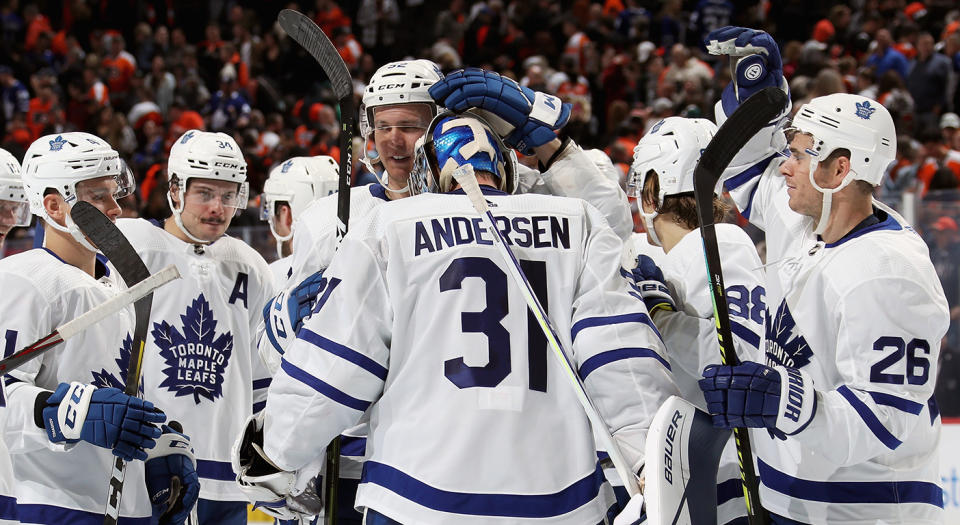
<point>411,340</point>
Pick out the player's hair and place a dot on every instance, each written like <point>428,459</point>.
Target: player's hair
<point>682,205</point>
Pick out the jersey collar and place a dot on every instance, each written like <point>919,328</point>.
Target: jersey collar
<point>100,268</point>
<point>486,190</point>
<point>879,220</point>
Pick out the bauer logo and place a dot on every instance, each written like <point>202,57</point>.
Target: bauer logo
<point>672,431</point>
<point>785,346</point>
<point>753,72</point>
<point>196,359</point>
<point>116,378</point>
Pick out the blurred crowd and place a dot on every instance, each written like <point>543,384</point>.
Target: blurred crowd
<point>140,73</point>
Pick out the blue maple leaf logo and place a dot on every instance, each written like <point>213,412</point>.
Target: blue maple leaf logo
<point>656,127</point>
<point>187,137</point>
<point>107,379</point>
<point>865,110</point>
<point>57,143</point>
<point>784,345</point>
<point>197,357</point>
<point>286,166</point>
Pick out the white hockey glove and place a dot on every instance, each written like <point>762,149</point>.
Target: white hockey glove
<point>270,488</point>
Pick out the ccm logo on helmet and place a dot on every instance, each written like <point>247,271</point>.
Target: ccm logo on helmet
<point>391,86</point>
<point>230,165</point>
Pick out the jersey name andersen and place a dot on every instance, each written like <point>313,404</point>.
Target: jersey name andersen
<point>538,231</point>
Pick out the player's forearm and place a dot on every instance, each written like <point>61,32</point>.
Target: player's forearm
<point>21,433</point>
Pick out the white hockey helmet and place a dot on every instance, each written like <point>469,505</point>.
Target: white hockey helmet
<point>671,149</point>
<point>298,182</point>
<point>13,196</point>
<point>453,140</point>
<point>853,122</point>
<point>58,162</point>
<point>205,155</point>
<point>402,82</point>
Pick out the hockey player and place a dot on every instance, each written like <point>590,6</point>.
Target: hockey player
<point>200,360</point>
<point>14,211</point>
<point>842,393</point>
<point>499,436</point>
<point>678,297</point>
<point>292,186</point>
<point>64,417</point>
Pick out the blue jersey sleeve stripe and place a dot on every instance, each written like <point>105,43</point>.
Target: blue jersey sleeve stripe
<point>258,406</point>
<point>8,508</point>
<point>218,470</point>
<point>934,408</point>
<point>36,513</point>
<point>353,446</point>
<point>343,352</point>
<point>262,383</point>
<point>882,398</point>
<point>750,173</point>
<point>893,492</point>
<point>477,504</point>
<point>728,490</point>
<point>611,356</point>
<point>322,387</point>
<point>869,418</point>
<point>748,335</point>
<point>608,320</point>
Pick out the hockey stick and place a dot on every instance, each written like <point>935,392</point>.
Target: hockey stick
<point>753,115</point>
<point>311,38</point>
<point>111,242</point>
<point>465,177</point>
<point>89,318</point>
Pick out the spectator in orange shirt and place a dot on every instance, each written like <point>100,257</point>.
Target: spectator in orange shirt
<point>330,17</point>
<point>350,50</point>
<point>119,65</point>
<point>938,157</point>
<point>45,114</point>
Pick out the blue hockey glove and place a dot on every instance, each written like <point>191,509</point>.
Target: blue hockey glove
<point>105,417</point>
<point>652,285</point>
<point>760,67</point>
<point>171,476</point>
<point>528,118</point>
<point>284,314</point>
<point>752,395</point>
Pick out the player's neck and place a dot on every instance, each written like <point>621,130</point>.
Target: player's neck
<point>669,231</point>
<point>845,215</point>
<point>64,246</point>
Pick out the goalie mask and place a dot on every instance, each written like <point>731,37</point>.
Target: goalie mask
<point>453,140</point>
<point>60,163</point>
<point>403,82</point>
<point>13,196</point>
<point>852,122</point>
<point>672,150</point>
<point>297,182</point>
<point>206,155</point>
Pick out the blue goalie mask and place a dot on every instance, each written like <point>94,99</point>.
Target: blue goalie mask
<point>453,140</point>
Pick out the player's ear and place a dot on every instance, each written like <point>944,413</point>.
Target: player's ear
<point>286,214</point>
<point>56,208</point>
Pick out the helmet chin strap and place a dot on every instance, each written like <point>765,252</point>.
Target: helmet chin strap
<point>74,232</point>
<point>827,197</point>
<point>279,238</point>
<point>648,223</point>
<point>176,218</point>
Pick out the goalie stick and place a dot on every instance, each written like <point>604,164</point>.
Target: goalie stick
<point>105,235</point>
<point>753,115</point>
<point>311,38</point>
<point>468,181</point>
<point>89,318</point>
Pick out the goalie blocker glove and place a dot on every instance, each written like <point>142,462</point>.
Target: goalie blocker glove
<point>523,117</point>
<point>105,417</point>
<point>171,476</point>
<point>752,395</point>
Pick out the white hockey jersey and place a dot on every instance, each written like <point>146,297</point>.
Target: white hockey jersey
<point>55,483</point>
<point>281,270</point>
<point>690,333</point>
<point>200,362</point>
<point>864,317</point>
<point>471,421</point>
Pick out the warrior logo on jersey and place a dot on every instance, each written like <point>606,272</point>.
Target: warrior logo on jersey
<point>106,379</point>
<point>197,357</point>
<point>785,346</point>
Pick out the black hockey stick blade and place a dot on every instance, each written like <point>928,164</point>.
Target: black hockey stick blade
<point>111,242</point>
<point>754,114</point>
<point>312,39</point>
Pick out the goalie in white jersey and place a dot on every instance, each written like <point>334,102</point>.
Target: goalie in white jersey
<point>14,211</point>
<point>678,297</point>
<point>419,326</point>
<point>843,390</point>
<point>65,409</point>
<point>200,359</point>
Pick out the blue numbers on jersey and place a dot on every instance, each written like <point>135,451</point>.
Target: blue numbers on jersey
<point>915,353</point>
<point>746,304</point>
<point>489,323</point>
